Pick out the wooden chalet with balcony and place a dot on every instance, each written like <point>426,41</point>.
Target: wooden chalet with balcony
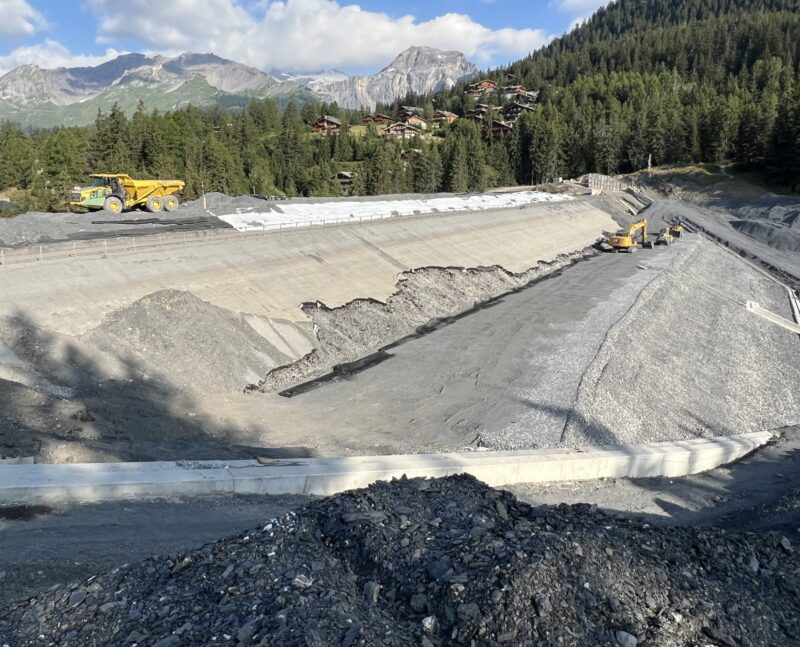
<point>442,117</point>
<point>497,128</point>
<point>378,119</point>
<point>345,180</point>
<point>415,120</point>
<point>513,111</point>
<point>482,87</point>
<point>326,125</point>
<point>401,130</point>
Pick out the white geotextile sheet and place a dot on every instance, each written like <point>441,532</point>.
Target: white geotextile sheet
<point>278,215</point>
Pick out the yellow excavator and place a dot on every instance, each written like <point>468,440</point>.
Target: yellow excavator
<point>676,230</point>
<point>624,239</point>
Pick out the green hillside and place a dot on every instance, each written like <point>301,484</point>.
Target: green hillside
<point>678,80</point>
<point>667,81</point>
<point>194,91</point>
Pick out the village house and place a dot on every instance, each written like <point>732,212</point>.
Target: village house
<point>441,117</point>
<point>381,120</point>
<point>498,128</point>
<point>326,125</point>
<point>527,97</point>
<point>482,87</point>
<point>510,91</point>
<point>478,113</point>
<point>400,130</point>
<point>416,121</point>
<point>516,109</point>
<point>407,112</point>
<point>345,180</point>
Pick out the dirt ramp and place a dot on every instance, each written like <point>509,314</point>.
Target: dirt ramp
<point>196,344</point>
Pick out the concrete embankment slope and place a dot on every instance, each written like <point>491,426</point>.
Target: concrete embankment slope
<point>265,278</point>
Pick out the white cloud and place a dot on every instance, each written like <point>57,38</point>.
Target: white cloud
<point>51,54</point>
<point>19,19</point>
<point>301,34</point>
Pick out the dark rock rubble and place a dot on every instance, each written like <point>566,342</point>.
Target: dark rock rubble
<point>436,562</point>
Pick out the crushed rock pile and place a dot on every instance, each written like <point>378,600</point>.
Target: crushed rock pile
<point>437,562</point>
<point>423,297</point>
<point>188,339</point>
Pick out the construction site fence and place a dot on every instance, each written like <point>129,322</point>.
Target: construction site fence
<point>111,246</point>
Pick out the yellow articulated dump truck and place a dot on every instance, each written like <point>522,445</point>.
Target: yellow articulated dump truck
<point>115,192</point>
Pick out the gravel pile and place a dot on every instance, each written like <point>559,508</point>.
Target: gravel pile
<point>191,341</point>
<point>422,298</point>
<point>773,234</point>
<point>437,562</point>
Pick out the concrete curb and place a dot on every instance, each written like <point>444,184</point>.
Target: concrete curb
<point>89,482</point>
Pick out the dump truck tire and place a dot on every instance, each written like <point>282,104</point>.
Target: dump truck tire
<point>154,204</point>
<point>171,202</point>
<point>113,204</point>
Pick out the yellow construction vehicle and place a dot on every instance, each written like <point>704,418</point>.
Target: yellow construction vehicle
<point>665,236</point>
<point>115,192</point>
<point>676,230</point>
<point>624,241</point>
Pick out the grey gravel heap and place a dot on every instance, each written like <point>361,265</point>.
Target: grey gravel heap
<point>437,562</point>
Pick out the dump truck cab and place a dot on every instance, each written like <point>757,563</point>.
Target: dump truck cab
<point>93,196</point>
<point>115,192</point>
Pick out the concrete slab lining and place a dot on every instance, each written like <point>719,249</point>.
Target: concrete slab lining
<point>92,482</point>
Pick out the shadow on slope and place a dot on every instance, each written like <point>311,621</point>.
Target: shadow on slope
<point>124,414</point>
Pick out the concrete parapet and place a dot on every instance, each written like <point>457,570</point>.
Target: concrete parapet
<point>42,483</point>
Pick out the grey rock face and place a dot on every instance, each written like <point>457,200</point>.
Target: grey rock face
<point>417,69</point>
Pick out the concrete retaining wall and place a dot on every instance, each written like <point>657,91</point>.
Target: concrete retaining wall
<point>30,484</point>
<point>268,276</point>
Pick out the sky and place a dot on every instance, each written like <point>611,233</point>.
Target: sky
<point>359,36</point>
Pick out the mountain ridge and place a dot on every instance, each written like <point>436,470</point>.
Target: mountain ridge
<point>34,96</point>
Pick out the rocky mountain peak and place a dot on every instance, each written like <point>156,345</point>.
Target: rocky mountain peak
<point>417,69</point>
<point>73,95</point>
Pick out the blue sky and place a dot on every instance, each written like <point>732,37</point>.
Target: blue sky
<point>294,35</point>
